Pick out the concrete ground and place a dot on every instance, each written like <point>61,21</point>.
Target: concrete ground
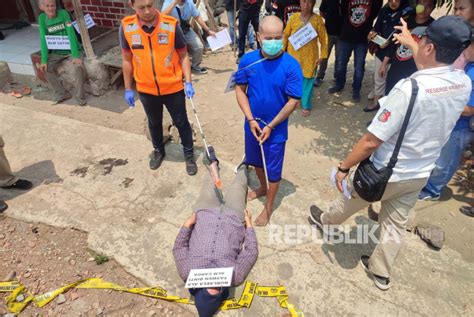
<point>90,169</point>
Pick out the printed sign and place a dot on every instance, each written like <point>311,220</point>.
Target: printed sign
<point>57,42</point>
<point>220,40</point>
<point>231,83</point>
<point>346,190</point>
<point>89,23</point>
<point>379,40</point>
<point>205,278</point>
<point>303,36</point>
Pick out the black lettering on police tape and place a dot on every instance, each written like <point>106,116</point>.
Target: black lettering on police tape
<point>9,288</point>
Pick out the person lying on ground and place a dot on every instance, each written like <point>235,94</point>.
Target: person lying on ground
<point>214,235</point>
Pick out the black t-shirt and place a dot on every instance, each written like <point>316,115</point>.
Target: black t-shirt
<point>284,9</point>
<point>250,5</point>
<point>401,58</point>
<point>331,11</point>
<point>386,22</point>
<point>358,17</point>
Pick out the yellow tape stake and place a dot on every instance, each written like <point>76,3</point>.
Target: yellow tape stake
<point>250,290</point>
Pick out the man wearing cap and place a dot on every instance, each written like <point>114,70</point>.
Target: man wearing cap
<point>214,237</point>
<point>154,54</point>
<point>443,93</point>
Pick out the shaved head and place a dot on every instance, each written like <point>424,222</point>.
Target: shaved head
<point>271,24</point>
<point>270,36</point>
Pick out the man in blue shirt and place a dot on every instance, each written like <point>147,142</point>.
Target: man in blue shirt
<point>183,11</point>
<point>269,87</point>
<point>460,137</point>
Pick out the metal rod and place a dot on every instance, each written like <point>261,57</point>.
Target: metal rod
<point>264,166</point>
<point>200,128</point>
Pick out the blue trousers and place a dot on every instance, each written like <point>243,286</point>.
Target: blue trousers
<point>448,162</point>
<point>344,52</point>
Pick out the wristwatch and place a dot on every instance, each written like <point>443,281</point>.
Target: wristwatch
<point>342,170</point>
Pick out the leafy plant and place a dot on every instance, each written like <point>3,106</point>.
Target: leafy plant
<point>98,258</point>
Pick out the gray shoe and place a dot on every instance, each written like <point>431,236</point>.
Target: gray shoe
<point>382,283</point>
<point>156,158</point>
<point>81,102</point>
<point>60,99</point>
<point>191,166</point>
<point>199,70</point>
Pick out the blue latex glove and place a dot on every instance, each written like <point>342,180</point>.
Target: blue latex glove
<point>129,97</point>
<point>189,90</point>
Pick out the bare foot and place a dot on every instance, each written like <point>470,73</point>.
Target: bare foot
<point>254,194</point>
<point>305,112</point>
<point>263,219</point>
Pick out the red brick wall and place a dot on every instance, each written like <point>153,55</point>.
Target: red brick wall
<point>106,13</point>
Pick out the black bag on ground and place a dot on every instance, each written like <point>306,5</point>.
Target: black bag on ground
<point>370,182</point>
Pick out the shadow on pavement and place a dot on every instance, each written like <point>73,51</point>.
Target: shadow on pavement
<point>38,173</point>
<point>347,253</point>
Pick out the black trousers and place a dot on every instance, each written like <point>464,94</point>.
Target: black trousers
<point>245,18</point>
<point>176,105</point>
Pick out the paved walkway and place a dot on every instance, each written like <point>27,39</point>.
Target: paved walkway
<point>133,214</point>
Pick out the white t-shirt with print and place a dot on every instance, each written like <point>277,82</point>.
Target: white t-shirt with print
<point>443,93</point>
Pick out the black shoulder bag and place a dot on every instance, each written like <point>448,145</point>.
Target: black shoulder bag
<point>369,182</point>
<point>185,26</point>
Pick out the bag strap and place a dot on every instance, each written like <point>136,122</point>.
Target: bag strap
<point>414,93</point>
<point>179,13</point>
<point>181,20</point>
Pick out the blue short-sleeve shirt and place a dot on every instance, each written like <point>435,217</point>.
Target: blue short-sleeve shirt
<point>188,10</point>
<point>270,83</point>
<point>463,122</point>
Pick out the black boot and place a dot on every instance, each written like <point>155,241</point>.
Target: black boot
<point>2,37</point>
<point>191,166</point>
<point>156,158</point>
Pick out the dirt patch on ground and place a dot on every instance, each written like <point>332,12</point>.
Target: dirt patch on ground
<point>44,258</point>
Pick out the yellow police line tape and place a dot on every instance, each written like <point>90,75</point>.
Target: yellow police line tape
<point>250,290</point>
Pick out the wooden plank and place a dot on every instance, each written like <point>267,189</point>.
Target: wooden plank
<point>86,41</point>
<point>115,77</point>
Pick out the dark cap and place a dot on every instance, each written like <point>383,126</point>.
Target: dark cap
<point>449,32</point>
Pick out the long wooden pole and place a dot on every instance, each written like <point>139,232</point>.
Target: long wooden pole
<point>81,22</point>
<point>210,13</point>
